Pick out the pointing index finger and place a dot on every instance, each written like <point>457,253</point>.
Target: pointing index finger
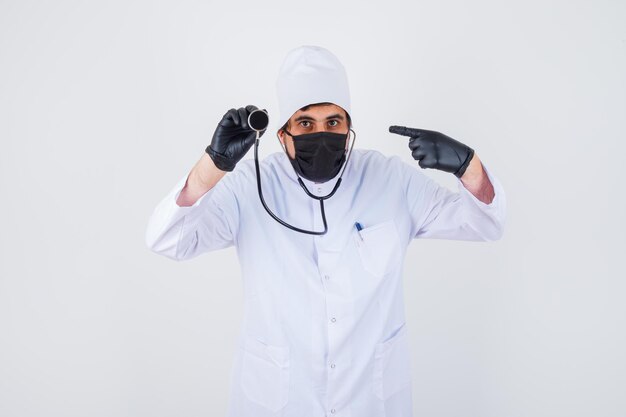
<point>404,131</point>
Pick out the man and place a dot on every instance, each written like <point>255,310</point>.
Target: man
<point>324,332</point>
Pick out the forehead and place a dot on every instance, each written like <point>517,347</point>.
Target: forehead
<point>320,111</point>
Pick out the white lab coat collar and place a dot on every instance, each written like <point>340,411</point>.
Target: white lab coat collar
<point>316,188</point>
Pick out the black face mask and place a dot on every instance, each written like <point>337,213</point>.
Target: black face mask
<point>319,155</point>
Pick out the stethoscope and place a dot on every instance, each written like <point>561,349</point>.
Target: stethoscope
<point>258,120</point>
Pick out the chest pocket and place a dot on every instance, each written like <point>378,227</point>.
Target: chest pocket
<point>379,248</point>
<point>265,373</point>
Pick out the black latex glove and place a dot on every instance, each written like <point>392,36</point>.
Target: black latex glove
<point>436,150</point>
<point>232,138</point>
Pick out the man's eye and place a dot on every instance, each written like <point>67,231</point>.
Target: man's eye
<point>334,121</point>
<point>304,121</point>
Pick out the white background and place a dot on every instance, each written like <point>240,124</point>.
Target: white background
<point>105,105</point>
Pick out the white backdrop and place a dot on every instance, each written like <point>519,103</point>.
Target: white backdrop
<point>104,105</point>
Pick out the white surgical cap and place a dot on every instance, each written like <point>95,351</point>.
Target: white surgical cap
<point>308,75</point>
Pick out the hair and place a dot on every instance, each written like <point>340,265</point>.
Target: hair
<point>305,108</point>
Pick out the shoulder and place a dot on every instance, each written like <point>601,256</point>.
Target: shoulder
<point>376,166</point>
<point>372,161</point>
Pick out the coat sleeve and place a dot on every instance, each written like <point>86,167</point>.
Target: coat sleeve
<point>211,223</point>
<point>438,213</point>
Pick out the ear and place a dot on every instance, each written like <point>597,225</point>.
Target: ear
<point>282,142</point>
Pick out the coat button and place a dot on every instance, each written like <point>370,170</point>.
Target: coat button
<point>333,319</point>
<point>332,365</point>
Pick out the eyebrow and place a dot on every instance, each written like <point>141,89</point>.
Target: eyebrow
<point>305,117</point>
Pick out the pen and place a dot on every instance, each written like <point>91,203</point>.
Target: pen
<point>358,229</point>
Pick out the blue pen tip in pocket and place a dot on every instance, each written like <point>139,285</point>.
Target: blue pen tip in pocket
<point>358,229</point>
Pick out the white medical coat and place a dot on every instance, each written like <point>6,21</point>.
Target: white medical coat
<point>324,330</point>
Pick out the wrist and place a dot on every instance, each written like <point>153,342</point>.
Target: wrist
<point>220,161</point>
<point>466,164</point>
<point>474,171</point>
<point>476,181</point>
<point>206,174</point>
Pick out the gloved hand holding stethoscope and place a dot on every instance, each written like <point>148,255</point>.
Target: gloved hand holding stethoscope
<point>235,134</point>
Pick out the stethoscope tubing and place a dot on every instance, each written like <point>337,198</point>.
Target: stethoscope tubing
<point>320,198</point>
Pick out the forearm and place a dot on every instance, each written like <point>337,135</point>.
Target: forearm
<point>203,176</point>
<point>476,181</point>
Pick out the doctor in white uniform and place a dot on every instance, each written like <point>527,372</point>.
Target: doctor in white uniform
<point>324,331</point>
